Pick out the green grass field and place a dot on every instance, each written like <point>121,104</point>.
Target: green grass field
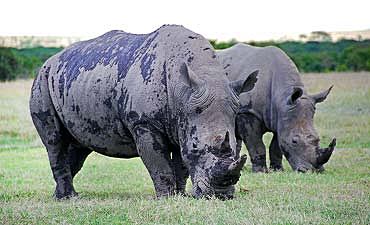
<point>116,191</point>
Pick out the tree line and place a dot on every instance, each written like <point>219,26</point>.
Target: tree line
<point>323,56</point>
<point>311,56</point>
<point>23,63</point>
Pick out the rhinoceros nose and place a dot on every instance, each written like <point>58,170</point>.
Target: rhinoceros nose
<point>295,139</point>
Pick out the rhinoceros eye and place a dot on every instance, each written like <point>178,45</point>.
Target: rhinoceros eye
<point>295,139</point>
<point>227,183</point>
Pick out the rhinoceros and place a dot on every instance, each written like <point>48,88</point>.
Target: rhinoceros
<point>156,96</point>
<point>279,104</point>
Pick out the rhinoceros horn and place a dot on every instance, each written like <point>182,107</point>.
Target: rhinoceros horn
<point>238,164</point>
<point>325,153</point>
<point>226,143</point>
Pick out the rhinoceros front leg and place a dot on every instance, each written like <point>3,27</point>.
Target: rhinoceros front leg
<point>181,171</point>
<point>251,130</point>
<point>276,155</point>
<point>153,149</point>
<point>239,143</point>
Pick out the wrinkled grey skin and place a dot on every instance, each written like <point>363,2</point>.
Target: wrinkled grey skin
<point>278,104</point>
<point>152,95</point>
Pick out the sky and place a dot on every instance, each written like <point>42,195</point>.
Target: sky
<point>221,20</point>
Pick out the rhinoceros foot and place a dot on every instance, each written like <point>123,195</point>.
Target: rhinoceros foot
<point>259,169</point>
<point>65,196</point>
<point>276,168</point>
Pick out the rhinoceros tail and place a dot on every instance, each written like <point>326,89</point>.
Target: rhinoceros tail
<point>40,99</point>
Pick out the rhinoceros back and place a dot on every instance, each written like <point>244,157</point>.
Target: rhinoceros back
<point>277,74</point>
<point>101,86</point>
<point>84,81</point>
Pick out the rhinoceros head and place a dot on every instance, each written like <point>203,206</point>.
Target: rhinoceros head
<point>298,138</point>
<point>217,172</point>
<point>208,106</point>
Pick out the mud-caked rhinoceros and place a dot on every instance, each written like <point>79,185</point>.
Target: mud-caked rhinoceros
<point>157,96</point>
<point>278,104</point>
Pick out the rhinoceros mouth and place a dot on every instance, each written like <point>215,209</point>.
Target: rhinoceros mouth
<point>303,167</point>
<point>227,195</point>
<point>202,189</point>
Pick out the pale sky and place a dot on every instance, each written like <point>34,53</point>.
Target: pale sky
<point>223,20</point>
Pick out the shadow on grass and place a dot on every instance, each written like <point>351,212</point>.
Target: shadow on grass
<point>108,195</point>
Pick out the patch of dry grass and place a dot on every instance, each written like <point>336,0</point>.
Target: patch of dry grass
<point>346,112</point>
<point>16,128</point>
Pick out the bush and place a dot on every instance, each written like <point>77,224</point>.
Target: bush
<point>23,63</point>
<point>356,58</point>
<point>9,64</point>
<point>314,56</point>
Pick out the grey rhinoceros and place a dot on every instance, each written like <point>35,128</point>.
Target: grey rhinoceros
<point>154,95</point>
<point>278,104</point>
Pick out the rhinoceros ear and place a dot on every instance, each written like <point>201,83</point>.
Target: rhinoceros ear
<point>296,94</point>
<point>190,78</point>
<point>240,86</point>
<point>320,97</point>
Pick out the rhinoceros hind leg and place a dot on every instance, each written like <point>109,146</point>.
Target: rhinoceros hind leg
<point>56,140</point>
<point>153,149</point>
<point>181,171</point>
<point>239,145</point>
<point>276,155</point>
<point>53,134</point>
<point>251,130</point>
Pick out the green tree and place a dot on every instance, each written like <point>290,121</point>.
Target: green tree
<point>8,64</point>
<point>356,58</point>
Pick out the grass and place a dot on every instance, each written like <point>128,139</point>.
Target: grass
<point>115,191</point>
<point>16,128</point>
